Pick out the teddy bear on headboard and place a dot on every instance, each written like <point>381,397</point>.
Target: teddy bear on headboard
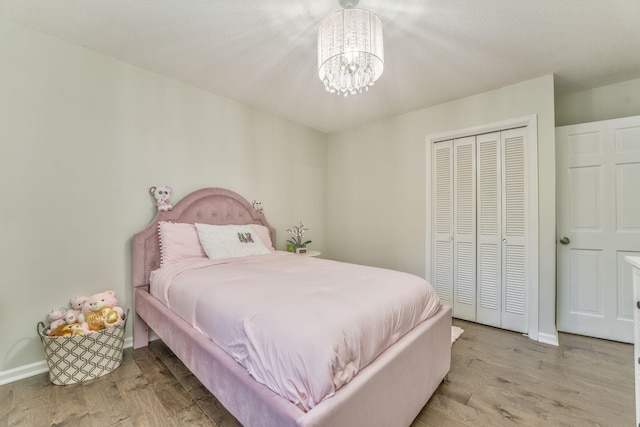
<point>257,206</point>
<point>162,195</point>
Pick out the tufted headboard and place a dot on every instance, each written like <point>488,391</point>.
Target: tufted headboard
<point>216,206</point>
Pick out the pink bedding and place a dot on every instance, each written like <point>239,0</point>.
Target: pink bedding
<point>302,326</point>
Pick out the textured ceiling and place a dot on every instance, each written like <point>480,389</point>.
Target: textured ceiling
<point>263,52</point>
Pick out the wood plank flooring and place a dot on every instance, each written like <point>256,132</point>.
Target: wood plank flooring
<point>497,378</point>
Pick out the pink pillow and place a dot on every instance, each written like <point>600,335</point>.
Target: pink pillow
<point>178,241</point>
<point>264,235</point>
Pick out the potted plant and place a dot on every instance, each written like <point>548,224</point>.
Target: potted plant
<point>297,242</point>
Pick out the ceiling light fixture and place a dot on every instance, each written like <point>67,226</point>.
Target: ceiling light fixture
<point>350,51</point>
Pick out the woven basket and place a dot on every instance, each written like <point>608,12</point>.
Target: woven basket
<point>83,357</point>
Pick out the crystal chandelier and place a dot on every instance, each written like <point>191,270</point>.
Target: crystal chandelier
<point>350,51</point>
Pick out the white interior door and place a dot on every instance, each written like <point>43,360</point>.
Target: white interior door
<point>442,218</point>
<point>464,222</point>
<point>598,224</point>
<point>514,230</point>
<point>489,229</point>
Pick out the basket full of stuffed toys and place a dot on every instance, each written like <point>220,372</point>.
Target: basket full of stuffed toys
<point>85,340</point>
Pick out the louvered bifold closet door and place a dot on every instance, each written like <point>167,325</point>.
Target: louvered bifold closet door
<point>514,230</point>
<point>442,220</point>
<point>489,237</point>
<point>464,228</point>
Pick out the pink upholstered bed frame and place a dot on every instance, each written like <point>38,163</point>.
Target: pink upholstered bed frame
<point>391,391</point>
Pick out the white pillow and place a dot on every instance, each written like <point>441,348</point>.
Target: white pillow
<point>264,235</point>
<point>230,241</point>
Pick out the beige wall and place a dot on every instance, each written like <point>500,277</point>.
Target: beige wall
<point>83,137</point>
<point>376,192</point>
<point>602,103</point>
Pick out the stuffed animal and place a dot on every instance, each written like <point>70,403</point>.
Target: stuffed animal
<point>56,318</point>
<point>101,311</point>
<point>162,195</point>
<point>257,206</point>
<point>70,317</point>
<point>69,330</point>
<point>75,305</point>
<point>58,331</point>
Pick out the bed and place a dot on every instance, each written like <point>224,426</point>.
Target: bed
<point>390,390</point>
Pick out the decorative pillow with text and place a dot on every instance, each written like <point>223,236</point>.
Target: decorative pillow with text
<point>230,241</point>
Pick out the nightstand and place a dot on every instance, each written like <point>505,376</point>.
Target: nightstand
<point>313,253</point>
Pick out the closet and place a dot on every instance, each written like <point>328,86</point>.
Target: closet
<point>479,214</point>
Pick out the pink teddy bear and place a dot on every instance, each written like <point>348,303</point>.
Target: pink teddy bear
<point>101,310</point>
<point>56,318</point>
<point>76,304</point>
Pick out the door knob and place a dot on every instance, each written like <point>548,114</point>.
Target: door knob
<point>565,240</point>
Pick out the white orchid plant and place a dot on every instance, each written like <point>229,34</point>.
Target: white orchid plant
<point>297,235</point>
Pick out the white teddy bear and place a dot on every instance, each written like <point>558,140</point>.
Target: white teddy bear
<point>257,206</point>
<point>162,195</point>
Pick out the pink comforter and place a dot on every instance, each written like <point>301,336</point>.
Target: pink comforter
<point>302,326</point>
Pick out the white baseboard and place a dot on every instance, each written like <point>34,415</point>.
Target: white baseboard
<point>26,371</point>
<point>551,339</point>
<point>22,372</point>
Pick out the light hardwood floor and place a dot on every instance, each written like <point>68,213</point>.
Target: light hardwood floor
<point>497,378</point>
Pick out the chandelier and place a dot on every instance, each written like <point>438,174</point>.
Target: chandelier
<point>350,51</point>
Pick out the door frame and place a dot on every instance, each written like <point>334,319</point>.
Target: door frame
<point>531,124</point>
